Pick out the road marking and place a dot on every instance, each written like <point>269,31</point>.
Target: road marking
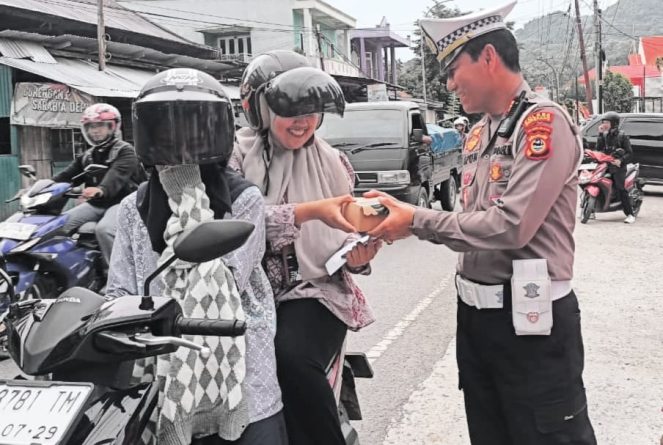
<point>434,414</point>
<point>376,351</point>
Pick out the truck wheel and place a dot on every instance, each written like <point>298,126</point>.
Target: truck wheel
<point>448,193</point>
<point>422,199</point>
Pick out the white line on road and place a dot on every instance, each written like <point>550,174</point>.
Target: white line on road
<point>376,351</point>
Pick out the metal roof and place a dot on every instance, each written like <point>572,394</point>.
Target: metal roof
<point>82,75</point>
<point>18,49</point>
<point>115,16</point>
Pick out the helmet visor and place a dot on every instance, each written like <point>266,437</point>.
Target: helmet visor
<point>98,133</point>
<point>183,132</point>
<point>304,91</point>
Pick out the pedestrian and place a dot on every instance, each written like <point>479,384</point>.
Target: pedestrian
<point>519,346</point>
<point>305,183</point>
<point>104,188</point>
<point>611,140</point>
<point>233,396</point>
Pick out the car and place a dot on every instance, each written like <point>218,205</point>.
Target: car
<point>386,143</point>
<point>646,133</point>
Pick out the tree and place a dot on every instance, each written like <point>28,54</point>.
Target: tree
<point>410,73</point>
<point>617,93</point>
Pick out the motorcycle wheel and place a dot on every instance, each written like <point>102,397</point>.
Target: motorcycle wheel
<point>588,209</point>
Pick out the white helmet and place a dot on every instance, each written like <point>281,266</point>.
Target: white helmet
<point>462,121</point>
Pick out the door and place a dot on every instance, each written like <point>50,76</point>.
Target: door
<point>10,184</point>
<point>646,135</point>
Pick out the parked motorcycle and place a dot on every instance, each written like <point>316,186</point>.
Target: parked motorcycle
<point>39,259</point>
<point>82,348</point>
<point>341,372</point>
<point>598,192</point>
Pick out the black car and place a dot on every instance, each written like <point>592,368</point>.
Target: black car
<point>646,133</point>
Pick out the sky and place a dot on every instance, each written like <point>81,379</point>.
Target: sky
<point>401,14</point>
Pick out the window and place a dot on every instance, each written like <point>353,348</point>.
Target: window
<point>643,130</point>
<point>222,46</point>
<point>66,144</point>
<point>240,46</point>
<point>5,137</point>
<point>231,46</point>
<point>369,64</point>
<point>592,129</point>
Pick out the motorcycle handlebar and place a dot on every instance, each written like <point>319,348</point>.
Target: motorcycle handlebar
<point>216,328</point>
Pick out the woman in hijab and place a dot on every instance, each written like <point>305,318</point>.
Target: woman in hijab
<point>183,127</point>
<point>305,183</point>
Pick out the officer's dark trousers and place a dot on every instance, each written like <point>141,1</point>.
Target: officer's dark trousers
<point>523,390</point>
<point>619,179</point>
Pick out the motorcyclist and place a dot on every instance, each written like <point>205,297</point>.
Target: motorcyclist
<point>305,182</point>
<point>184,132</point>
<point>104,188</point>
<point>616,143</point>
<point>462,125</point>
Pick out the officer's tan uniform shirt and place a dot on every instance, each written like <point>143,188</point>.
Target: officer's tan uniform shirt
<point>519,198</point>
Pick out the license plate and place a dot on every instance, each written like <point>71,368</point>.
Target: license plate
<point>588,167</point>
<point>39,412</point>
<point>17,231</point>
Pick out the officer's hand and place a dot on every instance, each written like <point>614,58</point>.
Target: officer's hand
<point>329,211</point>
<point>616,162</point>
<point>397,225</point>
<point>362,254</point>
<point>92,192</point>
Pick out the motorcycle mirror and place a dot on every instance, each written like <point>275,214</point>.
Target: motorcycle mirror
<point>204,242</point>
<point>27,170</point>
<point>211,239</point>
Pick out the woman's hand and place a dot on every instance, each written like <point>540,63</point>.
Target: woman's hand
<point>362,254</point>
<point>329,211</point>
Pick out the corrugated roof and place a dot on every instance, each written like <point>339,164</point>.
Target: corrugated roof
<point>115,16</point>
<point>20,49</point>
<point>116,81</point>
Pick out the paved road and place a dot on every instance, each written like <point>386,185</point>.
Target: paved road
<point>413,398</point>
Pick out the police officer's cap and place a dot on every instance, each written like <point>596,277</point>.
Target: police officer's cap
<point>446,37</point>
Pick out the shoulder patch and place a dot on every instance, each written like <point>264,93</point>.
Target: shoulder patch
<point>538,135</point>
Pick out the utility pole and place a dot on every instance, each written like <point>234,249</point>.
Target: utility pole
<point>598,53</point>
<point>101,33</point>
<point>581,40</point>
<point>577,103</point>
<point>423,63</point>
<point>322,57</point>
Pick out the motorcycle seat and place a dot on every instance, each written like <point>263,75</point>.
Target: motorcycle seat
<point>87,228</point>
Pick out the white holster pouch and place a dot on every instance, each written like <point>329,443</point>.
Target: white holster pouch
<point>531,297</point>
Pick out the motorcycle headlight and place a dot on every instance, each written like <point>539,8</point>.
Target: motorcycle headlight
<point>34,201</point>
<point>394,177</point>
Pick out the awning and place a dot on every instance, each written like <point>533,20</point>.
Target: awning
<point>115,81</point>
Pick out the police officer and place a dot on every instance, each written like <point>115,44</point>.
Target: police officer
<point>519,346</point>
<point>617,144</point>
<point>104,188</point>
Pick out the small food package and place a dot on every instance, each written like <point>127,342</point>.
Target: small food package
<point>365,213</point>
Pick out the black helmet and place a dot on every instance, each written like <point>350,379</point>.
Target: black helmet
<point>613,118</point>
<point>183,116</point>
<point>304,91</point>
<point>260,71</point>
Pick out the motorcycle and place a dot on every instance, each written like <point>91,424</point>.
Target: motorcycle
<point>81,349</point>
<point>341,372</point>
<point>38,259</point>
<point>598,192</point>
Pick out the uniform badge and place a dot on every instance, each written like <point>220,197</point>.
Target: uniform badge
<point>496,172</point>
<point>531,290</point>
<point>474,139</point>
<point>532,317</point>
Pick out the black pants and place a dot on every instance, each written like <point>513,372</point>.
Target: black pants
<point>523,390</point>
<point>619,180</point>
<point>269,431</point>
<point>307,338</point>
